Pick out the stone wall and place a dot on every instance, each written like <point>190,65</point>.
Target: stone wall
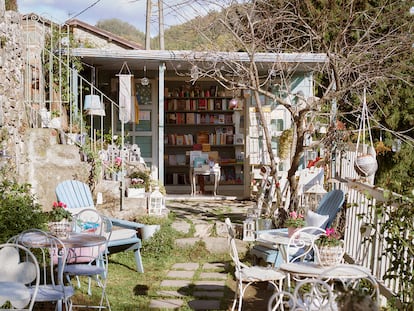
<point>12,111</point>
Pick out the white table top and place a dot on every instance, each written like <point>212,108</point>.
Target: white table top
<point>74,240</point>
<point>311,269</point>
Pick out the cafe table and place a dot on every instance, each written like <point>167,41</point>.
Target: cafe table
<point>73,240</point>
<point>278,239</point>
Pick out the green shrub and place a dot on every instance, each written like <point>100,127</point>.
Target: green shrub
<point>18,210</point>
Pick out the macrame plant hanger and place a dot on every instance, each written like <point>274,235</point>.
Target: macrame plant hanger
<point>365,162</point>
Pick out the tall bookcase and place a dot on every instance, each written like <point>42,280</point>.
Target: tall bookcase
<point>202,117</point>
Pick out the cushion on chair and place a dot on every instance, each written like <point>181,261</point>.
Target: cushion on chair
<point>316,220</point>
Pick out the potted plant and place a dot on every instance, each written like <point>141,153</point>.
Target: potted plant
<point>330,248</point>
<point>151,225</point>
<point>59,219</point>
<point>294,222</point>
<point>139,183</point>
<point>136,188</point>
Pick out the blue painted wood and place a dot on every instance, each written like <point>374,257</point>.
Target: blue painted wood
<point>76,194</point>
<point>269,255</point>
<point>330,204</point>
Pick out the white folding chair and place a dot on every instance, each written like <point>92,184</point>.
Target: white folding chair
<point>247,275</point>
<point>91,262</point>
<point>19,277</point>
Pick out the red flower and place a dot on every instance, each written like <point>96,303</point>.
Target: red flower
<point>59,205</point>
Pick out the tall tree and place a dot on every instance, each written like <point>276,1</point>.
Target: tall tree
<point>363,41</point>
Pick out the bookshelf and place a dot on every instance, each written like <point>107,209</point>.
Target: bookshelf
<point>201,117</point>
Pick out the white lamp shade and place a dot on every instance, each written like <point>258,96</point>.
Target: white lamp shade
<point>94,106</point>
<point>92,102</point>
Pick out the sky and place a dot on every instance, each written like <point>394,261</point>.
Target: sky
<point>131,11</point>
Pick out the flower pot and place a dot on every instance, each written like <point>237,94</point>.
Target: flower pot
<point>60,229</point>
<point>292,230</point>
<point>365,165</point>
<point>148,231</point>
<point>330,255</point>
<point>136,192</point>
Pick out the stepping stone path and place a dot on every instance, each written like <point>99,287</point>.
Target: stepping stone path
<point>206,283</point>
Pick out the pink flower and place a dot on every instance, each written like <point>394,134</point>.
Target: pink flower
<point>330,232</point>
<point>118,161</point>
<point>293,215</point>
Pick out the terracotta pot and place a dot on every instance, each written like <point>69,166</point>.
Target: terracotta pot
<point>291,231</point>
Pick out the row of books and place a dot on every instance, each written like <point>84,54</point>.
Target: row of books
<point>179,139</point>
<point>196,104</point>
<point>198,118</point>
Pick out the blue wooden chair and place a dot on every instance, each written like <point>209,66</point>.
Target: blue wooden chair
<point>78,196</point>
<point>330,204</point>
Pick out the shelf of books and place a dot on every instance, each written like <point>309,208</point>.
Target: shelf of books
<point>201,118</point>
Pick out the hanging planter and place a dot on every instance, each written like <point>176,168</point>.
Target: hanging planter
<point>365,163</point>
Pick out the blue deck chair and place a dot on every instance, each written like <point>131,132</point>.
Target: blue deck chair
<point>77,196</point>
<point>330,204</point>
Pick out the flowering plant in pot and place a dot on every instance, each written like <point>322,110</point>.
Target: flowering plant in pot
<point>295,221</point>
<point>59,212</point>
<point>329,248</point>
<point>59,220</point>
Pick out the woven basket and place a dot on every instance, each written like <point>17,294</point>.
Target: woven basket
<point>330,255</point>
<point>59,229</point>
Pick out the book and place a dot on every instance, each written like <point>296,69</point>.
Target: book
<point>172,159</point>
<point>180,158</point>
<point>202,104</point>
<point>180,140</point>
<point>238,139</point>
<point>221,119</point>
<point>190,118</point>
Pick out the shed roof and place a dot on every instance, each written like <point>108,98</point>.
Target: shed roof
<point>183,60</point>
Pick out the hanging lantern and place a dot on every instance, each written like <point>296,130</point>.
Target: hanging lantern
<point>156,202</point>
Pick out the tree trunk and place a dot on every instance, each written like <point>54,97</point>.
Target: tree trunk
<point>299,131</point>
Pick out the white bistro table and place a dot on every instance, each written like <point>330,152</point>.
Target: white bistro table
<point>213,171</point>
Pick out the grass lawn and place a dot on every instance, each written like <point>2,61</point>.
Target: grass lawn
<point>129,290</point>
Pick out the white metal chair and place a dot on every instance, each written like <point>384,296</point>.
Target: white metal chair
<point>247,275</point>
<point>19,277</point>
<point>354,285</point>
<point>299,254</point>
<point>91,262</point>
<point>52,260</point>
<point>310,294</point>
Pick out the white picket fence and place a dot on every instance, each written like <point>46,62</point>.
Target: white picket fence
<point>359,213</point>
